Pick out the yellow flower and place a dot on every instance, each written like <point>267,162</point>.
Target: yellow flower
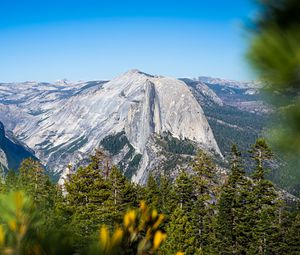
<point>117,236</point>
<point>159,221</point>
<point>148,234</point>
<point>180,253</point>
<point>143,206</point>
<point>12,225</point>
<point>159,237</point>
<point>154,214</point>
<point>22,230</point>
<point>19,199</point>
<point>104,237</point>
<point>129,218</point>
<point>2,235</point>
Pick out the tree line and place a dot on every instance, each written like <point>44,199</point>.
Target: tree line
<point>196,214</point>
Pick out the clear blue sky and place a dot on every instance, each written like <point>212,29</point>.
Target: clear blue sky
<point>46,40</point>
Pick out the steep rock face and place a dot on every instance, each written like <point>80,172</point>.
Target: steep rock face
<point>12,151</point>
<point>3,159</point>
<point>2,133</point>
<point>68,126</point>
<point>143,118</point>
<point>167,105</point>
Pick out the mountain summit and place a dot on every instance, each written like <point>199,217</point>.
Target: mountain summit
<point>64,124</point>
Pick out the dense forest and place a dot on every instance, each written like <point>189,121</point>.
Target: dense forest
<point>98,211</point>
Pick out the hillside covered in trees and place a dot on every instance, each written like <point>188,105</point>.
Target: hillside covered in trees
<point>195,214</point>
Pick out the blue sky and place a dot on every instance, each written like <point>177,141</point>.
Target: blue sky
<point>46,40</point>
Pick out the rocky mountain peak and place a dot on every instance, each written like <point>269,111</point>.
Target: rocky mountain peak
<point>70,125</point>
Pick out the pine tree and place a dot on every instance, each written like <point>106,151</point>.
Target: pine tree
<point>87,193</point>
<point>180,234</point>
<point>205,189</point>
<point>261,154</point>
<point>100,161</point>
<point>152,192</point>
<point>231,224</point>
<point>184,193</point>
<point>60,216</point>
<point>11,181</point>
<point>264,203</point>
<point>166,195</point>
<point>34,181</point>
<point>292,234</point>
<point>122,195</point>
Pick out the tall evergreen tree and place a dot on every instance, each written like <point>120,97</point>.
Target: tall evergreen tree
<point>184,191</point>
<point>231,225</point>
<point>100,161</point>
<point>206,195</point>
<point>264,203</point>
<point>122,195</point>
<point>87,193</point>
<point>166,195</point>
<point>33,179</point>
<point>11,181</point>
<point>261,154</point>
<point>152,192</point>
<point>292,234</point>
<point>180,235</point>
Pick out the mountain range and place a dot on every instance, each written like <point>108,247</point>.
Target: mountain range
<point>146,123</point>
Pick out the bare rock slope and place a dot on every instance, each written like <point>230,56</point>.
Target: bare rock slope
<point>63,123</point>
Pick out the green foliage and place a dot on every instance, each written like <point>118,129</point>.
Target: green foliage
<point>122,195</point>
<point>34,181</point>
<point>86,192</point>
<point>250,126</point>
<point>232,230</point>
<point>205,189</point>
<point>166,196</point>
<point>261,153</point>
<point>175,145</point>
<point>115,143</point>
<point>292,234</point>
<point>172,161</point>
<point>184,191</point>
<point>275,48</point>
<point>96,195</point>
<point>152,192</point>
<point>22,231</point>
<point>274,53</point>
<point>181,236</point>
<point>17,211</point>
<point>11,181</point>
<point>200,215</point>
<point>264,205</point>
<point>139,234</point>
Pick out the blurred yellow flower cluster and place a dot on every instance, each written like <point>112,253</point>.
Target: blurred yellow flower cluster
<point>140,231</point>
<point>139,234</point>
<point>109,243</point>
<point>17,213</point>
